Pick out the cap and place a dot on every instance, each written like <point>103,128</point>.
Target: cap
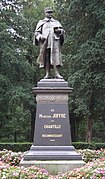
<point>48,9</point>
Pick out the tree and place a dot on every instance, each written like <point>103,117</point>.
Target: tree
<point>84,22</point>
<point>16,74</point>
<point>83,63</point>
<point>18,71</point>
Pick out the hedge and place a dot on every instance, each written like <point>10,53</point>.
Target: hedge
<point>85,145</point>
<point>26,146</point>
<point>16,147</point>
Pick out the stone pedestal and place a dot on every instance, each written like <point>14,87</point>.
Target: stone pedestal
<point>52,137</point>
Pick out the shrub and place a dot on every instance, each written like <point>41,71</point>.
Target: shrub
<point>92,170</point>
<point>11,158</point>
<point>26,146</point>
<point>23,173</point>
<point>86,145</point>
<point>16,146</point>
<point>95,167</point>
<point>89,155</point>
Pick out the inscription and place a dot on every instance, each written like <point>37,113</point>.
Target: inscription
<point>52,135</point>
<point>52,126</point>
<point>44,116</point>
<point>56,116</point>
<point>59,116</point>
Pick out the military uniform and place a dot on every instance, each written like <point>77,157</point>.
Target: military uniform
<point>52,33</point>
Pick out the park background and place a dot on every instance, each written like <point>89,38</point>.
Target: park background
<point>83,56</point>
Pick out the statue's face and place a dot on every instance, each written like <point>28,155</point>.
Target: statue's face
<point>48,14</point>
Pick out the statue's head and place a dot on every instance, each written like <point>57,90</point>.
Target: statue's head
<point>48,12</point>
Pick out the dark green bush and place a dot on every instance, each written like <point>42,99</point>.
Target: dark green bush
<point>85,145</point>
<point>16,147</point>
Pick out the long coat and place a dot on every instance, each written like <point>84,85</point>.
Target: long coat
<point>52,40</point>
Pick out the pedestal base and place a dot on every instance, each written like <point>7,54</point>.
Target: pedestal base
<point>52,148</point>
<point>52,153</point>
<point>54,159</point>
<point>54,167</point>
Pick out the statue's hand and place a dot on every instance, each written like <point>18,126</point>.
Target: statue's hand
<point>62,31</point>
<point>40,38</point>
<point>59,31</point>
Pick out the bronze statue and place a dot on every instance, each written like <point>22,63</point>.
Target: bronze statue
<point>49,35</point>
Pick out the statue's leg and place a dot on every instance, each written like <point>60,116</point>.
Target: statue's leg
<point>57,75</point>
<point>47,64</point>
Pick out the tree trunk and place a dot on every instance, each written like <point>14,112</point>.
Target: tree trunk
<point>90,118</point>
<point>89,130</point>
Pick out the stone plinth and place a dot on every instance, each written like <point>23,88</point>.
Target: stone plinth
<point>55,166</point>
<point>52,138</point>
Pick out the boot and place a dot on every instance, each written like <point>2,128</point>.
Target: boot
<point>47,76</point>
<point>57,75</point>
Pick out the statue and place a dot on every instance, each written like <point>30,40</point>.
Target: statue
<point>49,35</point>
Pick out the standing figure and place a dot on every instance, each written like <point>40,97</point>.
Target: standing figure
<point>49,35</point>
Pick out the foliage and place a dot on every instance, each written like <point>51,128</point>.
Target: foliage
<point>16,73</point>
<point>86,145</point>
<point>14,158</point>
<point>11,158</point>
<point>84,59</point>
<point>93,169</point>
<point>16,147</point>
<point>89,155</point>
<point>21,172</point>
<point>90,170</point>
<point>83,66</point>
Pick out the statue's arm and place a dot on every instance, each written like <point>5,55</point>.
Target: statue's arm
<point>38,37</point>
<point>38,33</point>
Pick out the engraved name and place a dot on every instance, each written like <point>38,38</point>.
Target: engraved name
<point>52,126</point>
<point>59,116</point>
